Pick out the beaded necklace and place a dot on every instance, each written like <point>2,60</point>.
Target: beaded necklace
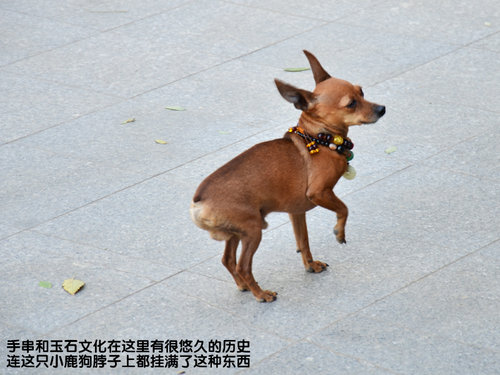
<point>340,144</point>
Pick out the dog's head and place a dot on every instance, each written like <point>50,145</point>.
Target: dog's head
<point>334,102</point>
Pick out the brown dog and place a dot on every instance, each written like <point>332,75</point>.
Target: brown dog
<point>292,174</point>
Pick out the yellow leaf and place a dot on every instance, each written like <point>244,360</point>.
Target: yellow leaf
<point>72,286</point>
<point>391,149</point>
<point>160,141</point>
<point>128,121</point>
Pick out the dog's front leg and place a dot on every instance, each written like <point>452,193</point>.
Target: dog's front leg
<point>326,198</point>
<point>300,231</point>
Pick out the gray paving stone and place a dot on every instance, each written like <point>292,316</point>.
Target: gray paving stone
<point>462,23</point>
<point>24,35</point>
<point>209,122</point>
<point>404,351</point>
<point>154,57</point>
<point>437,206</point>
<point>160,313</point>
<point>308,358</point>
<point>422,128</point>
<point>30,246</point>
<point>31,105</point>
<point>415,289</point>
<point>149,221</point>
<point>101,15</point>
<point>491,43</point>
<point>459,303</point>
<point>38,185</point>
<point>349,52</point>
<point>313,9</point>
<point>27,261</point>
<point>458,78</point>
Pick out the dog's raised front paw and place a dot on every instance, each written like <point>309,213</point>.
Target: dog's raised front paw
<point>340,236</point>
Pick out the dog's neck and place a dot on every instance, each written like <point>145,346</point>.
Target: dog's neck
<point>313,126</point>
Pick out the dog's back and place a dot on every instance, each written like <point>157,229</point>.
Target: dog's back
<point>253,179</point>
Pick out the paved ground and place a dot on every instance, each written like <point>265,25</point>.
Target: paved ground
<point>415,291</point>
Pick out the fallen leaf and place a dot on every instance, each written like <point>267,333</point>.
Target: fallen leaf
<point>487,24</point>
<point>45,284</point>
<point>175,108</point>
<point>72,285</point>
<point>390,150</point>
<point>160,141</point>
<point>128,121</point>
<point>224,132</point>
<point>296,69</point>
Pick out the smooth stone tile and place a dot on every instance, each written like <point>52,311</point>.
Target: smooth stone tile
<point>370,267</point>
<point>460,302</point>
<point>411,126</point>
<point>149,221</point>
<point>462,23</point>
<point>491,43</point>
<point>102,15</point>
<point>11,333</point>
<point>477,157</point>
<point>458,78</point>
<point>308,358</point>
<point>208,123</point>
<point>160,313</point>
<point>30,105</point>
<point>431,205</point>
<point>315,9</point>
<point>403,351</point>
<point>27,305</point>
<point>7,229</point>
<point>350,52</point>
<point>300,309</point>
<point>29,247</point>
<point>24,35</point>
<point>38,185</point>
<point>204,25</point>
<point>195,41</point>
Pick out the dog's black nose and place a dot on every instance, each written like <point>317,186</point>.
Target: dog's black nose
<point>380,110</point>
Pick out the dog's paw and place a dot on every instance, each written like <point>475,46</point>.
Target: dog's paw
<point>340,236</point>
<point>315,266</point>
<point>266,296</point>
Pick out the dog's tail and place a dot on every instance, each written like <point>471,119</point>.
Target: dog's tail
<point>204,217</point>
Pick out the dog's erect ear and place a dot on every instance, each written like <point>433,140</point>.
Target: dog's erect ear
<point>319,73</point>
<point>301,99</point>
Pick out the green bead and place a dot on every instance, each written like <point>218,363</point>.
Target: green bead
<point>350,156</point>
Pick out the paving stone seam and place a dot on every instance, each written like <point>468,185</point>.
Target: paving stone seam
<point>54,330</point>
<point>431,273</point>
<point>133,185</point>
<point>361,360</point>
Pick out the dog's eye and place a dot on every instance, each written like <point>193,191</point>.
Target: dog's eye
<point>351,104</point>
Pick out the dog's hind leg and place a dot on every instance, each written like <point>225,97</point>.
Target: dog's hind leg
<point>302,239</point>
<point>229,261</point>
<point>250,242</point>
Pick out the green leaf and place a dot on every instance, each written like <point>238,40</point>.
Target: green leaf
<point>296,69</point>
<point>45,284</point>
<point>128,121</point>
<point>161,141</point>
<point>224,132</point>
<point>390,150</point>
<point>72,286</point>
<point>175,108</point>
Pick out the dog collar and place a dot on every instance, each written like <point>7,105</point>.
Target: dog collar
<point>334,142</point>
